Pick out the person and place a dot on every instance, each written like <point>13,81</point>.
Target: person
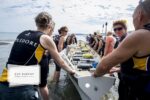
<point>120,29</point>
<point>133,54</point>
<point>68,40</point>
<point>91,40</point>
<point>117,41</point>
<point>71,39</point>
<point>88,37</point>
<point>28,49</point>
<point>61,44</point>
<point>45,70</point>
<point>109,44</point>
<point>100,43</point>
<point>95,41</point>
<point>103,46</point>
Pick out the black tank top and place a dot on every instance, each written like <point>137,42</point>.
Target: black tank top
<point>127,67</point>
<point>26,49</point>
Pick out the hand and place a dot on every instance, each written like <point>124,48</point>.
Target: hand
<point>94,75</point>
<point>114,69</point>
<point>72,72</point>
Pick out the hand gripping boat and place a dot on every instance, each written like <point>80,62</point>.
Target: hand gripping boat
<point>89,88</point>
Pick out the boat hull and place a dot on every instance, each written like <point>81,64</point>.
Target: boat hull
<point>89,88</point>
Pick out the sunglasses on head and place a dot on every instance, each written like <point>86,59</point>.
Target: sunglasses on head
<point>119,29</point>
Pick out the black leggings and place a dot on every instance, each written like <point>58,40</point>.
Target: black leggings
<point>44,71</point>
<point>135,90</point>
<point>57,67</point>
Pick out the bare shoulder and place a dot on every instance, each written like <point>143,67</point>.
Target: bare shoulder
<point>136,37</point>
<point>138,34</point>
<point>46,38</point>
<point>62,38</point>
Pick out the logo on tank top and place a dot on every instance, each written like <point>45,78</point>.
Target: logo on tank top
<point>26,41</point>
<point>28,34</point>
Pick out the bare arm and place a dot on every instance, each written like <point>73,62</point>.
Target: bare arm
<point>96,43</point>
<point>126,49</point>
<point>106,46</point>
<point>99,45</point>
<point>93,43</point>
<point>48,43</point>
<point>61,44</point>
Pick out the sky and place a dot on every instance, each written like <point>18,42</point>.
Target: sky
<point>80,16</point>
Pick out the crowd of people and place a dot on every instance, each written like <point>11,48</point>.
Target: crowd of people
<point>62,43</point>
<point>128,55</point>
<point>104,45</point>
<point>132,54</point>
<point>33,47</point>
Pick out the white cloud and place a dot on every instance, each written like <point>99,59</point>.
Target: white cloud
<point>79,15</point>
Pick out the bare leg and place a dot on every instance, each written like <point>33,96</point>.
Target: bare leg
<point>56,76</point>
<point>44,92</point>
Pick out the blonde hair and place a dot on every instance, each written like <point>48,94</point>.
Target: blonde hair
<point>120,22</point>
<point>109,33</point>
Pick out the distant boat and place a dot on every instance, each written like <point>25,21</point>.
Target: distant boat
<point>4,43</point>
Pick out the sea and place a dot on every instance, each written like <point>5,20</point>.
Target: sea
<point>64,89</point>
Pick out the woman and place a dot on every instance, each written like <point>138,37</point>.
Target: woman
<point>28,49</point>
<point>95,41</point>
<point>45,70</point>
<point>91,40</point>
<point>120,29</point>
<point>61,44</point>
<point>109,44</point>
<point>100,44</point>
<point>71,39</point>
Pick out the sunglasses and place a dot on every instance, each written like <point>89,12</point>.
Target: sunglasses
<point>119,29</point>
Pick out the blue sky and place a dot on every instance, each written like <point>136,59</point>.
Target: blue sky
<point>81,16</point>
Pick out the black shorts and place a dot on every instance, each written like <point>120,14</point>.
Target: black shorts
<point>44,64</point>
